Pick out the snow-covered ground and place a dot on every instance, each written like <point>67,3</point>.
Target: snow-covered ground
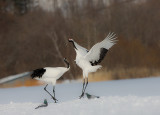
<point>122,97</point>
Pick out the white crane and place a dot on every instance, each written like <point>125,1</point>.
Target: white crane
<point>88,60</point>
<point>50,75</point>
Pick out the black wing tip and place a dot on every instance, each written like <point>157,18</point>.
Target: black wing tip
<point>103,53</point>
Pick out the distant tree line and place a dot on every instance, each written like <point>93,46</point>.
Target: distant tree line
<point>39,38</point>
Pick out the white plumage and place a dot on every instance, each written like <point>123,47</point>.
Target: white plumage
<point>88,60</point>
<point>95,51</point>
<point>50,75</point>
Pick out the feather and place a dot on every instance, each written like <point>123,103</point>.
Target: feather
<point>38,73</point>
<point>99,50</point>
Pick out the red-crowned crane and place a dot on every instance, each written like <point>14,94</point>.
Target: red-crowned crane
<point>50,75</point>
<point>88,60</point>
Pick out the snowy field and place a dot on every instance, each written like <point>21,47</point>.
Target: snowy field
<point>122,97</point>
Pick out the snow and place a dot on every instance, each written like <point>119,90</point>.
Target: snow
<point>121,97</point>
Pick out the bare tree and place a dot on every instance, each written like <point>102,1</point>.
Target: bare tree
<point>54,38</point>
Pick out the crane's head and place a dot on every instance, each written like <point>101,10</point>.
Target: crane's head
<point>65,59</point>
<point>73,42</point>
<point>70,40</point>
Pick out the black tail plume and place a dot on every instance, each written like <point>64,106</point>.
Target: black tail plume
<point>38,73</point>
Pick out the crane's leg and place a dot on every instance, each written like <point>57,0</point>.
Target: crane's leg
<point>84,88</point>
<point>83,85</point>
<point>49,93</point>
<point>54,94</point>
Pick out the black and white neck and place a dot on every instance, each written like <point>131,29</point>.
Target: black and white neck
<point>73,42</point>
<point>67,63</point>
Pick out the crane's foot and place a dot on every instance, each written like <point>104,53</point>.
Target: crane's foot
<point>54,99</point>
<point>82,95</point>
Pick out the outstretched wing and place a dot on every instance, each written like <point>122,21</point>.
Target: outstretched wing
<point>99,50</point>
<point>81,49</point>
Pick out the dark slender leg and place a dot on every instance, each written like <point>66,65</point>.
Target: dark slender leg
<point>49,93</point>
<point>86,86</point>
<point>54,90</point>
<point>83,85</point>
<point>54,94</point>
<point>83,90</point>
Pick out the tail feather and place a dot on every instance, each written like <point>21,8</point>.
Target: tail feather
<point>95,68</point>
<point>38,73</point>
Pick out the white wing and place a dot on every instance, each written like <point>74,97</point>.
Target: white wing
<point>99,50</point>
<point>81,49</point>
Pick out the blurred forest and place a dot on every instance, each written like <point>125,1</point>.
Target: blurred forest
<point>31,37</point>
